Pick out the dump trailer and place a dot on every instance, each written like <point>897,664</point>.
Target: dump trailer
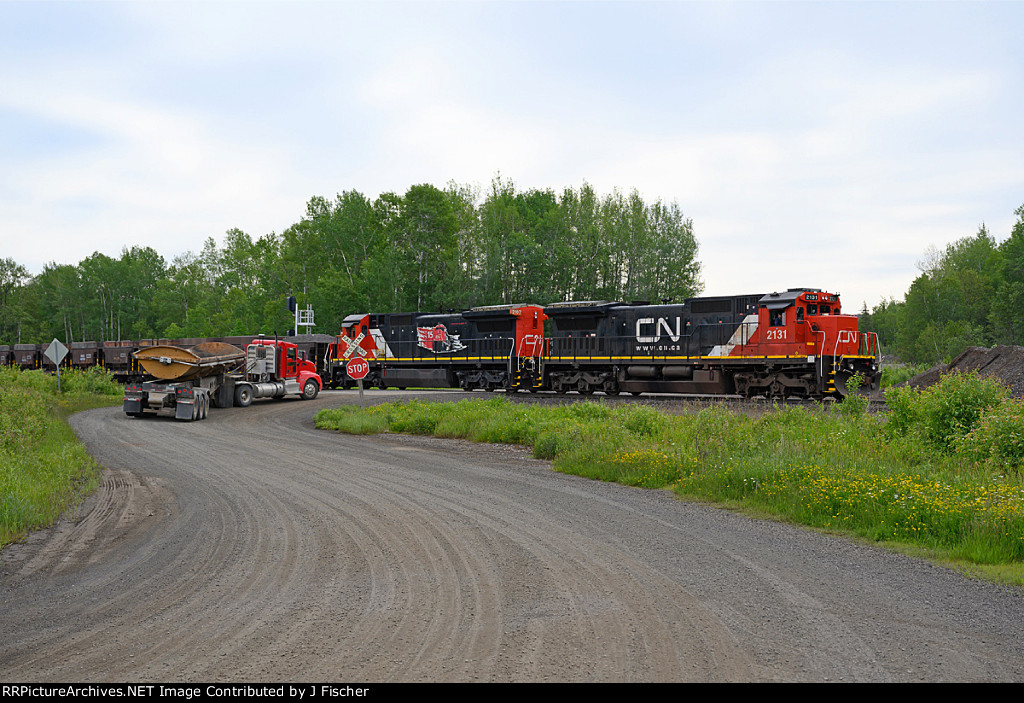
<point>185,382</point>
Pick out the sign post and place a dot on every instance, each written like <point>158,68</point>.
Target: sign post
<point>56,352</point>
<point>357,369</point>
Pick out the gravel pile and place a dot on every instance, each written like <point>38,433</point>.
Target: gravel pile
<point>1003,362</point>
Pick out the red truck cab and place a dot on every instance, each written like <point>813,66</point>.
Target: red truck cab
<point>289,365</point>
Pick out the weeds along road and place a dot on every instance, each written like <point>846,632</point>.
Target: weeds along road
<point>251,547</point>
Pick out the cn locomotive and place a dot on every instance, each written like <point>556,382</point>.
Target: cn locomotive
<point>796,343</point>
<point>489,348</point>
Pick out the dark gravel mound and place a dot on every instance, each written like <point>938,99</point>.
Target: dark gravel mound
<point>1003,362</point>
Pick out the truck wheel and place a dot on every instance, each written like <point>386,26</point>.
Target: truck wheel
<point>310,390</point>
<point>243,396</point>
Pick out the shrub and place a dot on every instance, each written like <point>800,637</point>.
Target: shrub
<point>904,411</point>
<point>93,380</point>
<point>998,437</point>
<point>946,411</point>
<point>951,408</point>
<point>854,404</point>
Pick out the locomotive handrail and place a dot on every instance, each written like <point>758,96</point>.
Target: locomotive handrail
<point>821,357</point>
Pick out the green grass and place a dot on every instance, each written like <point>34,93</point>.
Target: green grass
<point>836,471</point>
<point>894,374</point>
<point>44,470</point>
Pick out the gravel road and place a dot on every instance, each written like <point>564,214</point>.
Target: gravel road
<point>252,547</point>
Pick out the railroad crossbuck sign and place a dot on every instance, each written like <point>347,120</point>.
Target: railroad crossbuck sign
<point>353,346</point>
<point>357,369</point>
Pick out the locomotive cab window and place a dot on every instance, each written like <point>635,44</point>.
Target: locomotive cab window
<point>812,308</point>
<point>777,318</point>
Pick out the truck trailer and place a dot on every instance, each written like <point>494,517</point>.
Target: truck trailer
<point>185,382</point>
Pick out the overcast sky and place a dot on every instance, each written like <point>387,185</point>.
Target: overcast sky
<point>823,144</point>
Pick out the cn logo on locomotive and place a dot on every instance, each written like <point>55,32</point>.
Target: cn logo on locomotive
<point>662,325</point>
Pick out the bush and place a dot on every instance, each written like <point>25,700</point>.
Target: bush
<point>951,408</point>
<point>946,411</point>
<point>854,404</point>
<point>997,438</point>
<point>36,380</point>
<point>904,411</point>
<point>94,380</point>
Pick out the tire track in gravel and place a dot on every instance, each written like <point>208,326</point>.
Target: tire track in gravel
<point>251,547</point>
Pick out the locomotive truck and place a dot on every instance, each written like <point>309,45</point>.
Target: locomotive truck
<point>187,381</point>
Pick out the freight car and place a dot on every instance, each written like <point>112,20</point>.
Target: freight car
<point>118,356</point>
<point>791,344</point>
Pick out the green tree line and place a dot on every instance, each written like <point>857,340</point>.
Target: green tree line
<point>969,294</point>
<point>428,249</point>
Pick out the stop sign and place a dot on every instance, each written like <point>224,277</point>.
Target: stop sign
<point>357,369</point>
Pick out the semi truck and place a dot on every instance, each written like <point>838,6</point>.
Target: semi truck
<point>186,381</point>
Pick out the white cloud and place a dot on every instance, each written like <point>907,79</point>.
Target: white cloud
<point>825,144</point>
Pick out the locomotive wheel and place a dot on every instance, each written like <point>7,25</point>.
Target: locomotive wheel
<point>636,393</point>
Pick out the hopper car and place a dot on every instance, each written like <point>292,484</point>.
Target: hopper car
<point>117,356</point>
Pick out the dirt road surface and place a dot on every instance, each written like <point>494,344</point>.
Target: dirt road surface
<point>252,547</point>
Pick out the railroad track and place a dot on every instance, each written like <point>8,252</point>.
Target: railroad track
<point>664,402</point>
